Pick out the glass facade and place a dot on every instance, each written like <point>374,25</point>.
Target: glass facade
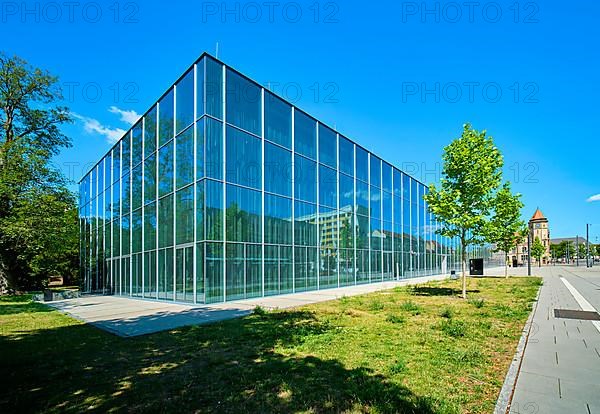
<point>224,191</point>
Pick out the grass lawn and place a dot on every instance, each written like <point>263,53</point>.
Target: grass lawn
<point>410,350</point>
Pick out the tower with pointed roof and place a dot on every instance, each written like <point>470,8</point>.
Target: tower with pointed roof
<point>539,226</point>
<point>538,223</point>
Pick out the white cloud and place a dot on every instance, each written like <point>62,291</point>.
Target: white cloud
<point>594,198</point>
<point>92,125</point>
<point>129,117</point>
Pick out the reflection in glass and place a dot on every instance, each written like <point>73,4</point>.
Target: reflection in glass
<point>165,119</point>
<point>327,146</point>
<point>185,101</point>
<point>278,121</point>
<point>243,102</point>
<point>305,135</point>
<point>244,158</point>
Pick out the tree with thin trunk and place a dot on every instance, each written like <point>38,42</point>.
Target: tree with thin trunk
<point>38,214</point>
<point>538,250</point>
<point>506,228</point>
<point>463,202</point>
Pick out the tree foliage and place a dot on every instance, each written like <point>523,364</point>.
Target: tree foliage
<point>471,174</point>
<point>538,250</point>
<point>506,228</point>
<point>38,217</point>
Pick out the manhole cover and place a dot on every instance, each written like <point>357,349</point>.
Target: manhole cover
<point>576,314</point>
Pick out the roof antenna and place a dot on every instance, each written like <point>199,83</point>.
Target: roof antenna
<point>217,54</point>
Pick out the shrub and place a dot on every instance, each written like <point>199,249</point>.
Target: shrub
<point>391,318</point>
<point>376,305</point>
<point>453,328</point>
<point>412,307</point>
<point>259,311</point>
<point>447,313</point>
<point>477,302</point>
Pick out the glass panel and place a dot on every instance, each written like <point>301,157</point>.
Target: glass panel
<point>214,272</point>
<point>346,229</point>
<point>116,167</point>
<point>305,179</point>
<point>278,170</point>
<point>362,198</point>
<point>305,226</point>
<point>346,197</point>
<point>243,103</point>
<point>185,157</point>
<point>362,164</point>
<point>200,89</point>
<point>115,204</point>
<point>214,210</point>
<point>234,271</point>
<point>375,171</point>
<point>214,88</point>
<point>286,269</point>
<point>278,221</point>
<point>376,234</point>
<point>165,169</point>
<point>150,132</point>
<point>185,215</point>
<point>375,210</point>
<point>305,135</point>
<point>136,187</point>
<point>185,101</point>
<point>214,149</point>
<point>150,179</point>
<point>397,183</point>
<point>328,266</point>
<point>386,173</point>
<point>150,227</point>
<point>126,154</point>
<point>165,221</point>
<point>165,120</point>
<point>244,158</point>
<point>150,274</point>
<point>327,187</point>
<point>199,149</point>
<point>200,210</point>
<point>271,270</point>
<point>253,270</point>
<point>136,144</point>
<point>346,156</point>
<point>300,269</point>
<point>243,215</point>
<point>327,146</point>
<point>125,227</point>
<point>200,273</point>
<point>165,274</point>
<point>278,120</point>
<point>387,206</point>
<point>362,232</point>
<point>136,231</point>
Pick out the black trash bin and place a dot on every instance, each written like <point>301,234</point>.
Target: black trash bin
<point>476,267</point>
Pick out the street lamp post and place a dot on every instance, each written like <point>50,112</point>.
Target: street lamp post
<point>587,245</point>
<point>529,251</point>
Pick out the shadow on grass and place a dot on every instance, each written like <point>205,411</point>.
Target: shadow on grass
<point>438,291</point>
<point>234,366</point>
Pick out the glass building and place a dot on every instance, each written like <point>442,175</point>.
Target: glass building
<point>223,191</point>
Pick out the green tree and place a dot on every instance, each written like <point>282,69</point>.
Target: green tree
<point>38,215</point>
<point>471,173</point>
<point>538,250</point>
<point>557,251</point>
<point>505,228</point>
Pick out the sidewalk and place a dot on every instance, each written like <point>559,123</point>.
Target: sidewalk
<point>129,317</point>
<point>560,370</point>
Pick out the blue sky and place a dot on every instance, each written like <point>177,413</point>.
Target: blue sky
<point>399,77</point>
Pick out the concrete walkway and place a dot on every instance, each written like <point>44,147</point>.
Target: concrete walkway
<point>132,317</point>
<point>560,370</point>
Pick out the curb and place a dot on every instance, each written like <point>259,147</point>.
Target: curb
<point>510,382</point>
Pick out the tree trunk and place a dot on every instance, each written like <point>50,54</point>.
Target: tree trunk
<point>464,273</point>
<point>506,265</point>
